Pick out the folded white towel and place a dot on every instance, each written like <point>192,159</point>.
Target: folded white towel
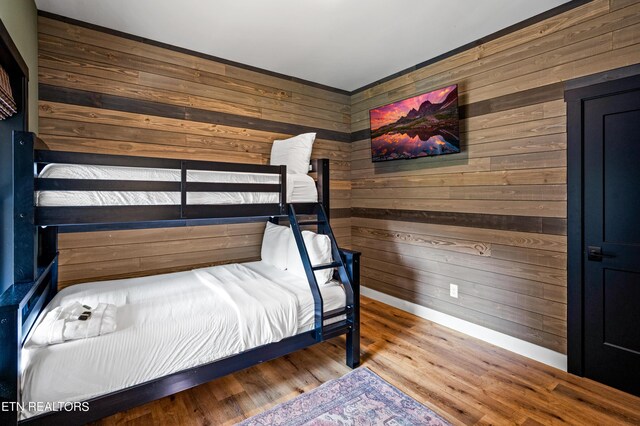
<point>70,323</point>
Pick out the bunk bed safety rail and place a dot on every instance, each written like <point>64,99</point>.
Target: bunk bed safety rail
<point>77,215</point>
<point>20,307</point>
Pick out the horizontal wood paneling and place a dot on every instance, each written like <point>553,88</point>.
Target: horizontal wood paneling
<point>103,93</point>
<point>195,63</point>
<point>437,256</point>
<point>516,208</point>
<point>154,106</point>
<point>519,48</point>
<point>481,235</point>
<point>491,219</point>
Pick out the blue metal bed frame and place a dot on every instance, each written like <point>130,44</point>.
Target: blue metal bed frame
<point>36,264</point>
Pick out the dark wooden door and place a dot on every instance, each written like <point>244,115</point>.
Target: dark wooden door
<point>611,239</point>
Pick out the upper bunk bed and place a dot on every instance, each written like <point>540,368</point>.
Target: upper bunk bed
<point>76,191</point>
<point>88,189</point>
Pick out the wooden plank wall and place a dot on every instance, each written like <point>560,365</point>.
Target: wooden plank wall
<point>103,93</point>
<point>492,219</point>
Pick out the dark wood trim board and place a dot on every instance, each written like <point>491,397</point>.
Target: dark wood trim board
<point>540,225</point>
<point>120,103</point>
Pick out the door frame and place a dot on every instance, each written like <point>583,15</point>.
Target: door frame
<point>576,254</point>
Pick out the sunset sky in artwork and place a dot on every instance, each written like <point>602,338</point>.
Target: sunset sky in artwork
<point>392,112</point>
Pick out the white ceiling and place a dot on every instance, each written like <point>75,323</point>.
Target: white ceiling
<point>341,43</point>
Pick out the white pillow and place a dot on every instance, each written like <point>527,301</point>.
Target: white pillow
<point>319,248</point>
<point>275,245</point>
<point>295,153</point>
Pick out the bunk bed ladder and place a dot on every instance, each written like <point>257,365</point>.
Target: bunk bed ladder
<point>323,331</point>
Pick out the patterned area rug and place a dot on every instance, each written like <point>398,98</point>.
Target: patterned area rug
<point>358,398</point>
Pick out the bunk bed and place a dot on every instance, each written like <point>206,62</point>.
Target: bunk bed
<point>258,192</point>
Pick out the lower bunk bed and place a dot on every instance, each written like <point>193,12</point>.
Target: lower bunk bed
<point>168,324</point>
<point>174,331</point>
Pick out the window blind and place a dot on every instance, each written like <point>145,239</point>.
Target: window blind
<point>8,105</point>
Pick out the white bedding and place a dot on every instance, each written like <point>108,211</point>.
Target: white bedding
<point>167,323</point>
<point>300,188</point>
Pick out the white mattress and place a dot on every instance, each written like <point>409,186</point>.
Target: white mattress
<point>168,323</point>
<point>300,188</point>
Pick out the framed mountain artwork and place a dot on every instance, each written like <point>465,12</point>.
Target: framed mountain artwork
<point>421,126</point>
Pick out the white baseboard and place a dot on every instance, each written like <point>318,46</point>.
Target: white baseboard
<point>502,340</point>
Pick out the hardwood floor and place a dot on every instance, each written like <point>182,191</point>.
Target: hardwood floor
<point>465,380</point>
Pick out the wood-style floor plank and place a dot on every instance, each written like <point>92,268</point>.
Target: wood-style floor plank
<point>465,380</point>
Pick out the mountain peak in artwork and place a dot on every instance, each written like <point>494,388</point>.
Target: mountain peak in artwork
<point>427,109</point>
<point>413,113</point>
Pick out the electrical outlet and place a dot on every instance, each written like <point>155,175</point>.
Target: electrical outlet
<point>453,290</point>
